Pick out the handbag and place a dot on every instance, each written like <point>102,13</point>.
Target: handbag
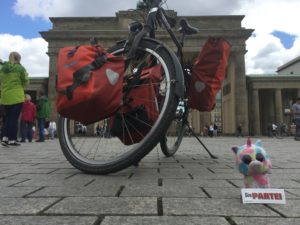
<point>89,83</point>
<point>208,73</point>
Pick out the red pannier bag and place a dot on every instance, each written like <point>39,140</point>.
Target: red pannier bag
<point>140,109</point>
<point>89,84</point>
<point>208,72</point>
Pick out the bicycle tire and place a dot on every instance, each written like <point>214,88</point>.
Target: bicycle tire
<point>103,155</point>
<point>173,137</point>
<point>279,136</point>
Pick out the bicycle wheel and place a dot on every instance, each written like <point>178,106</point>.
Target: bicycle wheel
<point>104,153</point>
<point>278,135</point>
<point>174,135</point>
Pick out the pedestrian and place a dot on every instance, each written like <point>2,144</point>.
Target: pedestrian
<point>239,131</point>
<point>43,112</point>
<point>33,132</point>
<point>215,130</point>
<point>274,129</point>
<point>205,130</point>
<point>52,129</point>
<point>28,115</point>
<point>211,131</point>
<point>296,117</point>
<point>13,79</point>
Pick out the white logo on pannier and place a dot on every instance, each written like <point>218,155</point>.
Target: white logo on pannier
<point>112,76</point>
<point>199,86</point>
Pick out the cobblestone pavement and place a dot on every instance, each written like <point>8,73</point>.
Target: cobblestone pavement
<point>38,186</point>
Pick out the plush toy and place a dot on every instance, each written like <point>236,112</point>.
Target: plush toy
<point>254,163</point>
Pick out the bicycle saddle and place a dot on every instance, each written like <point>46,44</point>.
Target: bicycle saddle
<point>186,28</point>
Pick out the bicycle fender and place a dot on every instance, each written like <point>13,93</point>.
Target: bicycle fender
<point>180,88</point>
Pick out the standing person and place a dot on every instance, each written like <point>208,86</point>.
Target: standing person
<point>239,131</point>
<point>43,112</point>
<point>28,115</point>
<point>274,129</point>
<point>13,79</point>
<point>296,116</point>
<point>211,131</point>
<point>52,129</point>
<point>215,130</point>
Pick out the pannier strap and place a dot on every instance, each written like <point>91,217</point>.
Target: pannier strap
<point>82,75</point>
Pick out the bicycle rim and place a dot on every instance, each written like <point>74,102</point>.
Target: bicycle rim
<point>100,152</point>
<point>174,135</point>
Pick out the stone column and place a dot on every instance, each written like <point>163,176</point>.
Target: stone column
<point>240,95</point>
<point>256,114</point>
<point>52,85</point>
<point>298,93</point>
<point>278,106</point>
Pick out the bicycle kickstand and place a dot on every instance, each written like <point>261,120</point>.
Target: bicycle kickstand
<point>191,130</point>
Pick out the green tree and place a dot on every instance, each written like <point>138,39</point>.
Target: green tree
<point>143,5</point>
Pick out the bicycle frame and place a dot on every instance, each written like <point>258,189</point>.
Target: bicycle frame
<point>159,14</point>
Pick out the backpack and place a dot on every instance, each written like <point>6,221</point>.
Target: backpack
<point>208,72</point>
<point>89,83</point>
<point>140,107</point>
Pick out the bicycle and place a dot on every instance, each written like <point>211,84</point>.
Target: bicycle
<point>281,131</point>
<point>142,53</point>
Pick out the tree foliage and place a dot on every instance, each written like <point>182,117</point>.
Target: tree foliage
<point>143,5</point>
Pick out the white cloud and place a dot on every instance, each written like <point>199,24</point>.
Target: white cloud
<point>53,8</point>
<point>265,52</point>
<point>33,53</point>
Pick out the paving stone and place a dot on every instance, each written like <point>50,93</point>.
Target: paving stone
<point>149,165</point>
<point>225,193</point>
<point>213,207</point>
<point>148,180</point>
<point>41,180</point>
<point>8,192</point>
<point>48,220</point>
<point>65,165</point>
<point>31,170</point>
<point>265,221</point>
<point>176,165</point>
<point>9,182</point>
<point>66,171</point>
<point>174,173</point>
<point>182,190</point>
<point>290,209</point>
<point>163,220</point>
<point>294,191</point>
<point>141,173</point>
<point>285,171</point>
<point>104,189</point>
<point>21,206</point>
<point>275,183</point>
<point>197,182</point>
<point>107,205</point>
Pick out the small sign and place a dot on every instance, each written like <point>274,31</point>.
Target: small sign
<point>263,196</point>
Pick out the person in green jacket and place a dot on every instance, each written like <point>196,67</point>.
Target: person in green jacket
<point>43,112</point>
<point>13,79</point>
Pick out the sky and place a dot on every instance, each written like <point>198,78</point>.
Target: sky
<point>275,41</point>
